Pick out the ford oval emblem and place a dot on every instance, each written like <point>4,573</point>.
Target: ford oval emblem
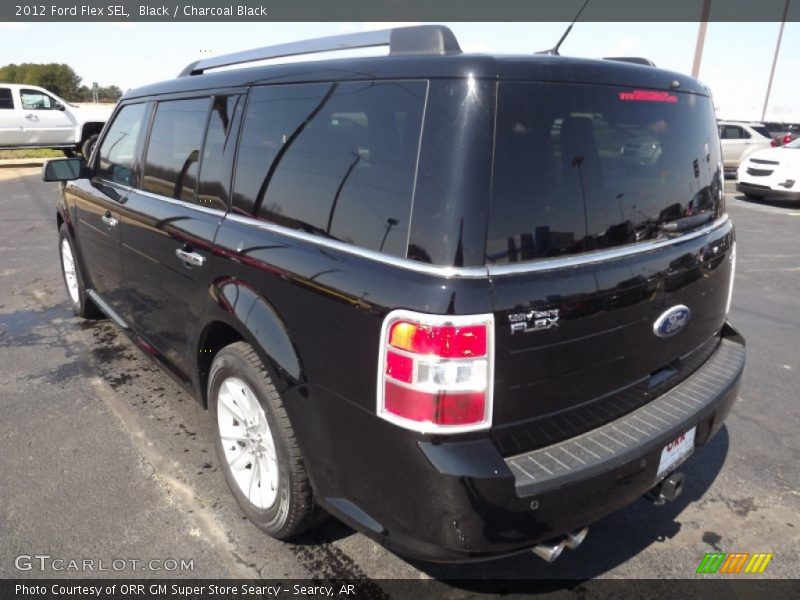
<point>672,321</point>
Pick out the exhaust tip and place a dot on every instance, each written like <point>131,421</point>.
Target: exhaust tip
<point>549,551</point>
<point>575,538</point>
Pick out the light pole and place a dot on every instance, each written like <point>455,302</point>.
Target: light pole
<point>701,39</point>
<point>775,59</point>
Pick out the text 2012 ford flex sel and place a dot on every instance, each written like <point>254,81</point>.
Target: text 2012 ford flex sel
<point>467,304</point>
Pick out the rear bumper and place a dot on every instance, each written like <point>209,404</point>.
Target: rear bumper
<point>457,501</point>
<point>767,191</point>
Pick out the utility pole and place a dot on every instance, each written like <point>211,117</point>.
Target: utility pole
<point>701,38</point>
<point>775,60</point>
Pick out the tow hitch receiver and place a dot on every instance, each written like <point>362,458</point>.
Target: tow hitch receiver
<point>669,489</point>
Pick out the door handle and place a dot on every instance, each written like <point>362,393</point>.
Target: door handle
<point>109,220</point>
<point>190,258</point>
<point>31,117</point>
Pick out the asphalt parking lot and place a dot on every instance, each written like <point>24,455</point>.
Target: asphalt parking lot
<point>103,457</point>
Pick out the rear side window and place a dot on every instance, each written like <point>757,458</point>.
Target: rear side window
<point>118,150</point>
<point>732,132</point>
<point>336,160</point>
<point>6,101</point>
<point>581,168</point>
<point>761,130</point>
<point>218,151</point>
<point>173,151</point>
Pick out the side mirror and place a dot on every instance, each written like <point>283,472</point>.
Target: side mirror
<point>63,169</point>
<point>60,106</point>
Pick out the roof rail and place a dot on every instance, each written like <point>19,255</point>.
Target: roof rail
<point>416,40</point>
<point>636,60</point>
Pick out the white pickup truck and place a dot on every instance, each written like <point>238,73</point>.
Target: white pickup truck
<point>32,117</point>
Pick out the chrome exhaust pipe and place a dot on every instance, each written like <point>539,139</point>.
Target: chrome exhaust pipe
<point>549,551</point>
<point>552,549</point>
<point>575,538</point>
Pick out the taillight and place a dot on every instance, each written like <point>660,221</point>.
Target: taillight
<point>435,371</point>
<point>787,139</point>
<point>773,144</point>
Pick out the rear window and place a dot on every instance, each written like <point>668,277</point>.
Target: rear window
<point>581,168</point>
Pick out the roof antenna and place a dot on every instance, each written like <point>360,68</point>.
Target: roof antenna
<point>554,50</point>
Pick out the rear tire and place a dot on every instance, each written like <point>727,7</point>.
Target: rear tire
<point>82,305</point>
<point>256,445</point>
<point>69,152</point>
<point>88,146</point>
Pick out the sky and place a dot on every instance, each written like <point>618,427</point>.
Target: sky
<point>736,60</point>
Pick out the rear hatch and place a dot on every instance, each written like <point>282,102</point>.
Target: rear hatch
<point>606,213</point>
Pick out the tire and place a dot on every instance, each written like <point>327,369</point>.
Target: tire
<point>266,475</point>
<point>82,305</point>
<point>88,146</point>
<point>69,152</point>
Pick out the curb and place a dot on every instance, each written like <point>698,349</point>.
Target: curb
<point>21,163</point>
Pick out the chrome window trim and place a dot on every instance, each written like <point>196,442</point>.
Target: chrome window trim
<point>184,203</point>
<point>403,263</point>
<point>476,272</point>
<point>603,255</point>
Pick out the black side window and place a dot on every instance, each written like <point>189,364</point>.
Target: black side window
<point>6,101</point>
<point>118,150</point>
<point>733,132</point>
<point>336,160</point>
<point>217,164</point>
<point>173,151</point>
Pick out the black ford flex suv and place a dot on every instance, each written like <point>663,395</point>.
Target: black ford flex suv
<point>467,304</point>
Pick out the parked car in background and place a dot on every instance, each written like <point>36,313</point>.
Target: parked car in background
<point>782,133</point>
<point>739,139</point>
<point>771,172</point>
<point>32,117</point>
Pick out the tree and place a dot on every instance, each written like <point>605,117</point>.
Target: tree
<point>60,79</point>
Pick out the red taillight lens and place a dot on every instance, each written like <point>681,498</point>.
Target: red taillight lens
<point>436,372</point>
<point>773,143</point>
<point>399,367</point>
<point>436,408</point>
<point>446,341</point>
<point>787,139</point>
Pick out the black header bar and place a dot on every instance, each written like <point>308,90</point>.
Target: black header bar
<point>393,10</point>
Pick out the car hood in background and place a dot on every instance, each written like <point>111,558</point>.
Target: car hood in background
<point>784,156</point>
<point>93,112</point>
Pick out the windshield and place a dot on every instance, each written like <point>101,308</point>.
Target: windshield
<point>585,167</point>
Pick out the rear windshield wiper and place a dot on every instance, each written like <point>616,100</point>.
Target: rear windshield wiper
<point>686,223</point>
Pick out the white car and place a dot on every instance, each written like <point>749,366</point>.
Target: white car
<point>32,117</point>
<point>739,140</point>
<point>772,172</point>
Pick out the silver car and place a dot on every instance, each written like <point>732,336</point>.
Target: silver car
<point>739,140</point>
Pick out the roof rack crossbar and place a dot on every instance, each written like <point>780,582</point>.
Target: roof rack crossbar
<point>635,60</point>
<point>417,40</point>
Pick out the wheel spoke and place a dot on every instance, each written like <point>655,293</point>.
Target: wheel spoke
<point>227,402</point>
<point>253,478</point>
<point>240,461</point>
